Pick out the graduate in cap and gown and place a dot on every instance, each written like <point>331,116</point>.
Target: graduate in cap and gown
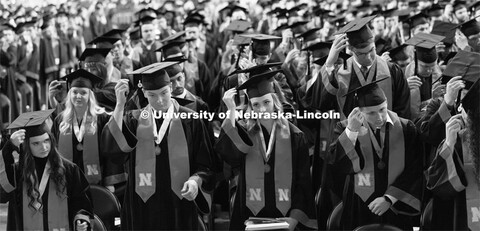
<point>170,168</point>
<point>423,72</point>
<point>44,190</point>
<point>460,75</point>
<point>145,51</point>
<point>453,175</point>
<point>376,156</point>
<point>78,130</point>
<point>269,157</point>
<point>471,30</point>
<point>362,68</point>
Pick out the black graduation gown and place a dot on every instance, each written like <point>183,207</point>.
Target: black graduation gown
<point>400,90</point>
<point>302,197</point>
<point>448,178</point>
<point>77,192</point>
<point>112,172</point>
<point>163,210</point>
<point>355,210</point>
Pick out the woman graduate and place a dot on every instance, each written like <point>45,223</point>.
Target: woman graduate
<point>77,130</point>
<point>44,190</point>
<point>454,173</point>
<point>270,157</point>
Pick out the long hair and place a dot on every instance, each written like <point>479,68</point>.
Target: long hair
<point>277,108</point>
<point>27,166</point>
<point>93,109</point>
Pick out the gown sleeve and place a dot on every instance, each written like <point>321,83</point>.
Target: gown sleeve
<point>445,176</point>
<point>233,144</point>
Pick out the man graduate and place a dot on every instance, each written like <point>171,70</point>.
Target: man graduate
<point>170,161</point>
<point>375,152</point>
<point>362,68</point>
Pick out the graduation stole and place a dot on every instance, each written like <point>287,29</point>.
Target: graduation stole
<point>365,179</point>
<point>145,181</point>
<point>344,77</point>
<point>89,149</point>
<point>472,191</point>
<point>57,206</point>
<point>255,168</point>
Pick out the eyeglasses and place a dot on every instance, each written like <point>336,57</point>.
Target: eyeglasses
<point>358,54</point>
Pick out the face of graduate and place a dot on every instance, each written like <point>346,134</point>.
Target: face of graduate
<point>462,14</point>
<point>365,56</point>
<point>391,21</point>
<point>422,28</point>
<point>79,96</point>
<point>261,59</point>
<point>379,24</point>
<point>117,50</point>
<point>8,36</point>
<point>425,69</point>
<point>263,104</point>
<point>148,32</point>
<point>178,84</point>
<point>159,99</point>
<point>40,145</point>
<point>376,116</point>
<point>474,42</point>
<point>192,31</point>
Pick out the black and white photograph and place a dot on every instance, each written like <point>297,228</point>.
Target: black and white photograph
<point>240,115</point>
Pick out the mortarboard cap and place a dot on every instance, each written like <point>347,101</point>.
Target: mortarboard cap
<point>358,33</point>
<point>474,6</point>
<point>471,100</point>
<point>459,4</point>
<point>261,43</point>
<point>417,19</point>
<point>173,70</point>
<point>449,57</point>
<point>177,37</point>
<point>425,46</point>
<point>436,10</point>
<point>135,33</point>
<point>103,42</point>
<point>282,27</point>
<point>239,40</point>
<point>33,123</point>
<point>309,35</point>
<point>22,26</point>
<point>81,78</point>
<point>155,77</point>
<point>258,69</point>
<point>114,33</point>
<point>319,49</point>
<point>389,12</point>
<point>470,27</point>
<point>172,50</point>
<point>239,26</point>
<point>465,64</point>
<point>194,19</point>
<point>259,85</point>
<point>297,24</point>
<point>369,95</point>
<point>398,53</point>
<point>7,26</point>
<point>94,54</point>
<point>381,45</point>
<point>445,29</point>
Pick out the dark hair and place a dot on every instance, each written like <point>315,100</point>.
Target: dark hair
<point>28,170</point>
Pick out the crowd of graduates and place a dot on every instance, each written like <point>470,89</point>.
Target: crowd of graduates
<point>81,83</point>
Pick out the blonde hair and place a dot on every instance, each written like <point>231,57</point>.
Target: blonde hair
<point>93,109</point>
<point>277,107</point>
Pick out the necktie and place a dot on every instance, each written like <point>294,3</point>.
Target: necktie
<point>377,135</point>
<point>364,71</point>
